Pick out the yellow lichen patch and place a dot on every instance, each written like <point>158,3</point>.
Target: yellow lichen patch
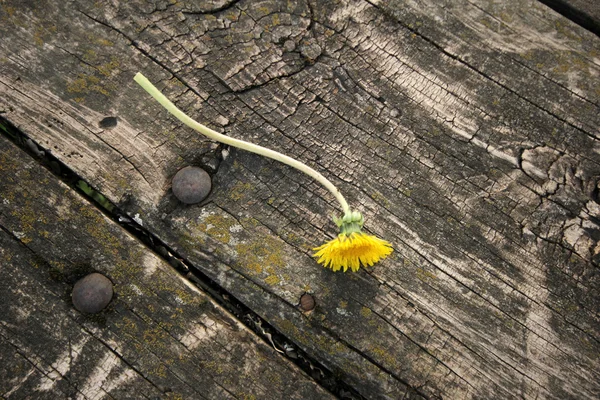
<point>239,191</point>
<point>506,17</point>
<point>98,40</point>
<point>425,275</point>
<point>527,55</point>
<point>287,327</point>
<point>190,242</point>
<point>57,269</point>
<point>566,31</point>
<point>40,32</point>
<point>10,11</point>
<point>6,256</point>
<point>352,368</point>
<point>272,280</point>
<point>380,198</point>
<point>365,312</point>
<point>187,297</point>
<point>80,84</point>
<point>213,366</point>
<point>90,56</point>
<point>108,68</point>
<point>231,16</point>
<point>216,226</point>
<point>85,83</point>
<point>128,269</point>
<point>249,222</point>
<point>323,343</point>
<point>386,357</point>
<point>95,226</point>
<point>163,282</point>
<point>104,42</point>
<point>128,326</point>
<point>160,371</point>
<point>155,340</point>
<point>562,68</point>
<point>262,254</point>
<point>26,216</point>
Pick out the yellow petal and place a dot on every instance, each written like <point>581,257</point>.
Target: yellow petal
<point>351,251</point>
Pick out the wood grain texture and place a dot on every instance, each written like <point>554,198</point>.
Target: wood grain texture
<point>467,132</point>
<point>589,7</point>
<point>160,337</point>
<point>585,13</point>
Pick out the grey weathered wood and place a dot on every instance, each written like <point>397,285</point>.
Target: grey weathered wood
<point>588,7</point>
<point>160,337</point>
<point>583,12</point>
<point>466,131</point>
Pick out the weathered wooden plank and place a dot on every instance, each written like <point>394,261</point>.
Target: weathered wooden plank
<point>480,167</point>
<point>538,56</point>
<point>160,337</point>
<point>583,12</point>
<point>588,7</point>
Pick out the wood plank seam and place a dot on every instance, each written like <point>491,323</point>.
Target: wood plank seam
<point>496,272</point>
<point>167,295</point>
<point>242,313</point>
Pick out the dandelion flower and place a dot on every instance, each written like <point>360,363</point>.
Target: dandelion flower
<point>351,249</point>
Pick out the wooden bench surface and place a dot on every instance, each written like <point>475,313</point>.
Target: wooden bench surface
<point>467,132</point>
<point>160,336</point>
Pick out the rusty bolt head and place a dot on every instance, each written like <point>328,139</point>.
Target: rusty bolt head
<point>307,302</point>
<point>191,185</point>
<point>92,293</point>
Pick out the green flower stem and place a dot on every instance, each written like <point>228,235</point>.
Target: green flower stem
<point>180,115</point>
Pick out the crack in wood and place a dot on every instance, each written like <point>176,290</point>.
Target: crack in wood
<point>134,44</point>
<point>483,74</point>
<point>481,184</point>
<point>241,312</point>
<point>227,5</point>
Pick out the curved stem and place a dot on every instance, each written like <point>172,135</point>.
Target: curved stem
<point>263,151</point>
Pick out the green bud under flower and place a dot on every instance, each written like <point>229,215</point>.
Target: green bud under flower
<point>352,221</point>
<point>351,248</point>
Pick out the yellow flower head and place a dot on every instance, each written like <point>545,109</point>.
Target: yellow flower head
<point>352,247</point>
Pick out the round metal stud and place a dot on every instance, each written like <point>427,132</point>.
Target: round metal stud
<point>307,302</point>
<point>92,293</point>
<point>191,185</point>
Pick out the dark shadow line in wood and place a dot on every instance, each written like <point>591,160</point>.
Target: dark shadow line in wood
<point>577,15</point>
<point>312,367</point>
